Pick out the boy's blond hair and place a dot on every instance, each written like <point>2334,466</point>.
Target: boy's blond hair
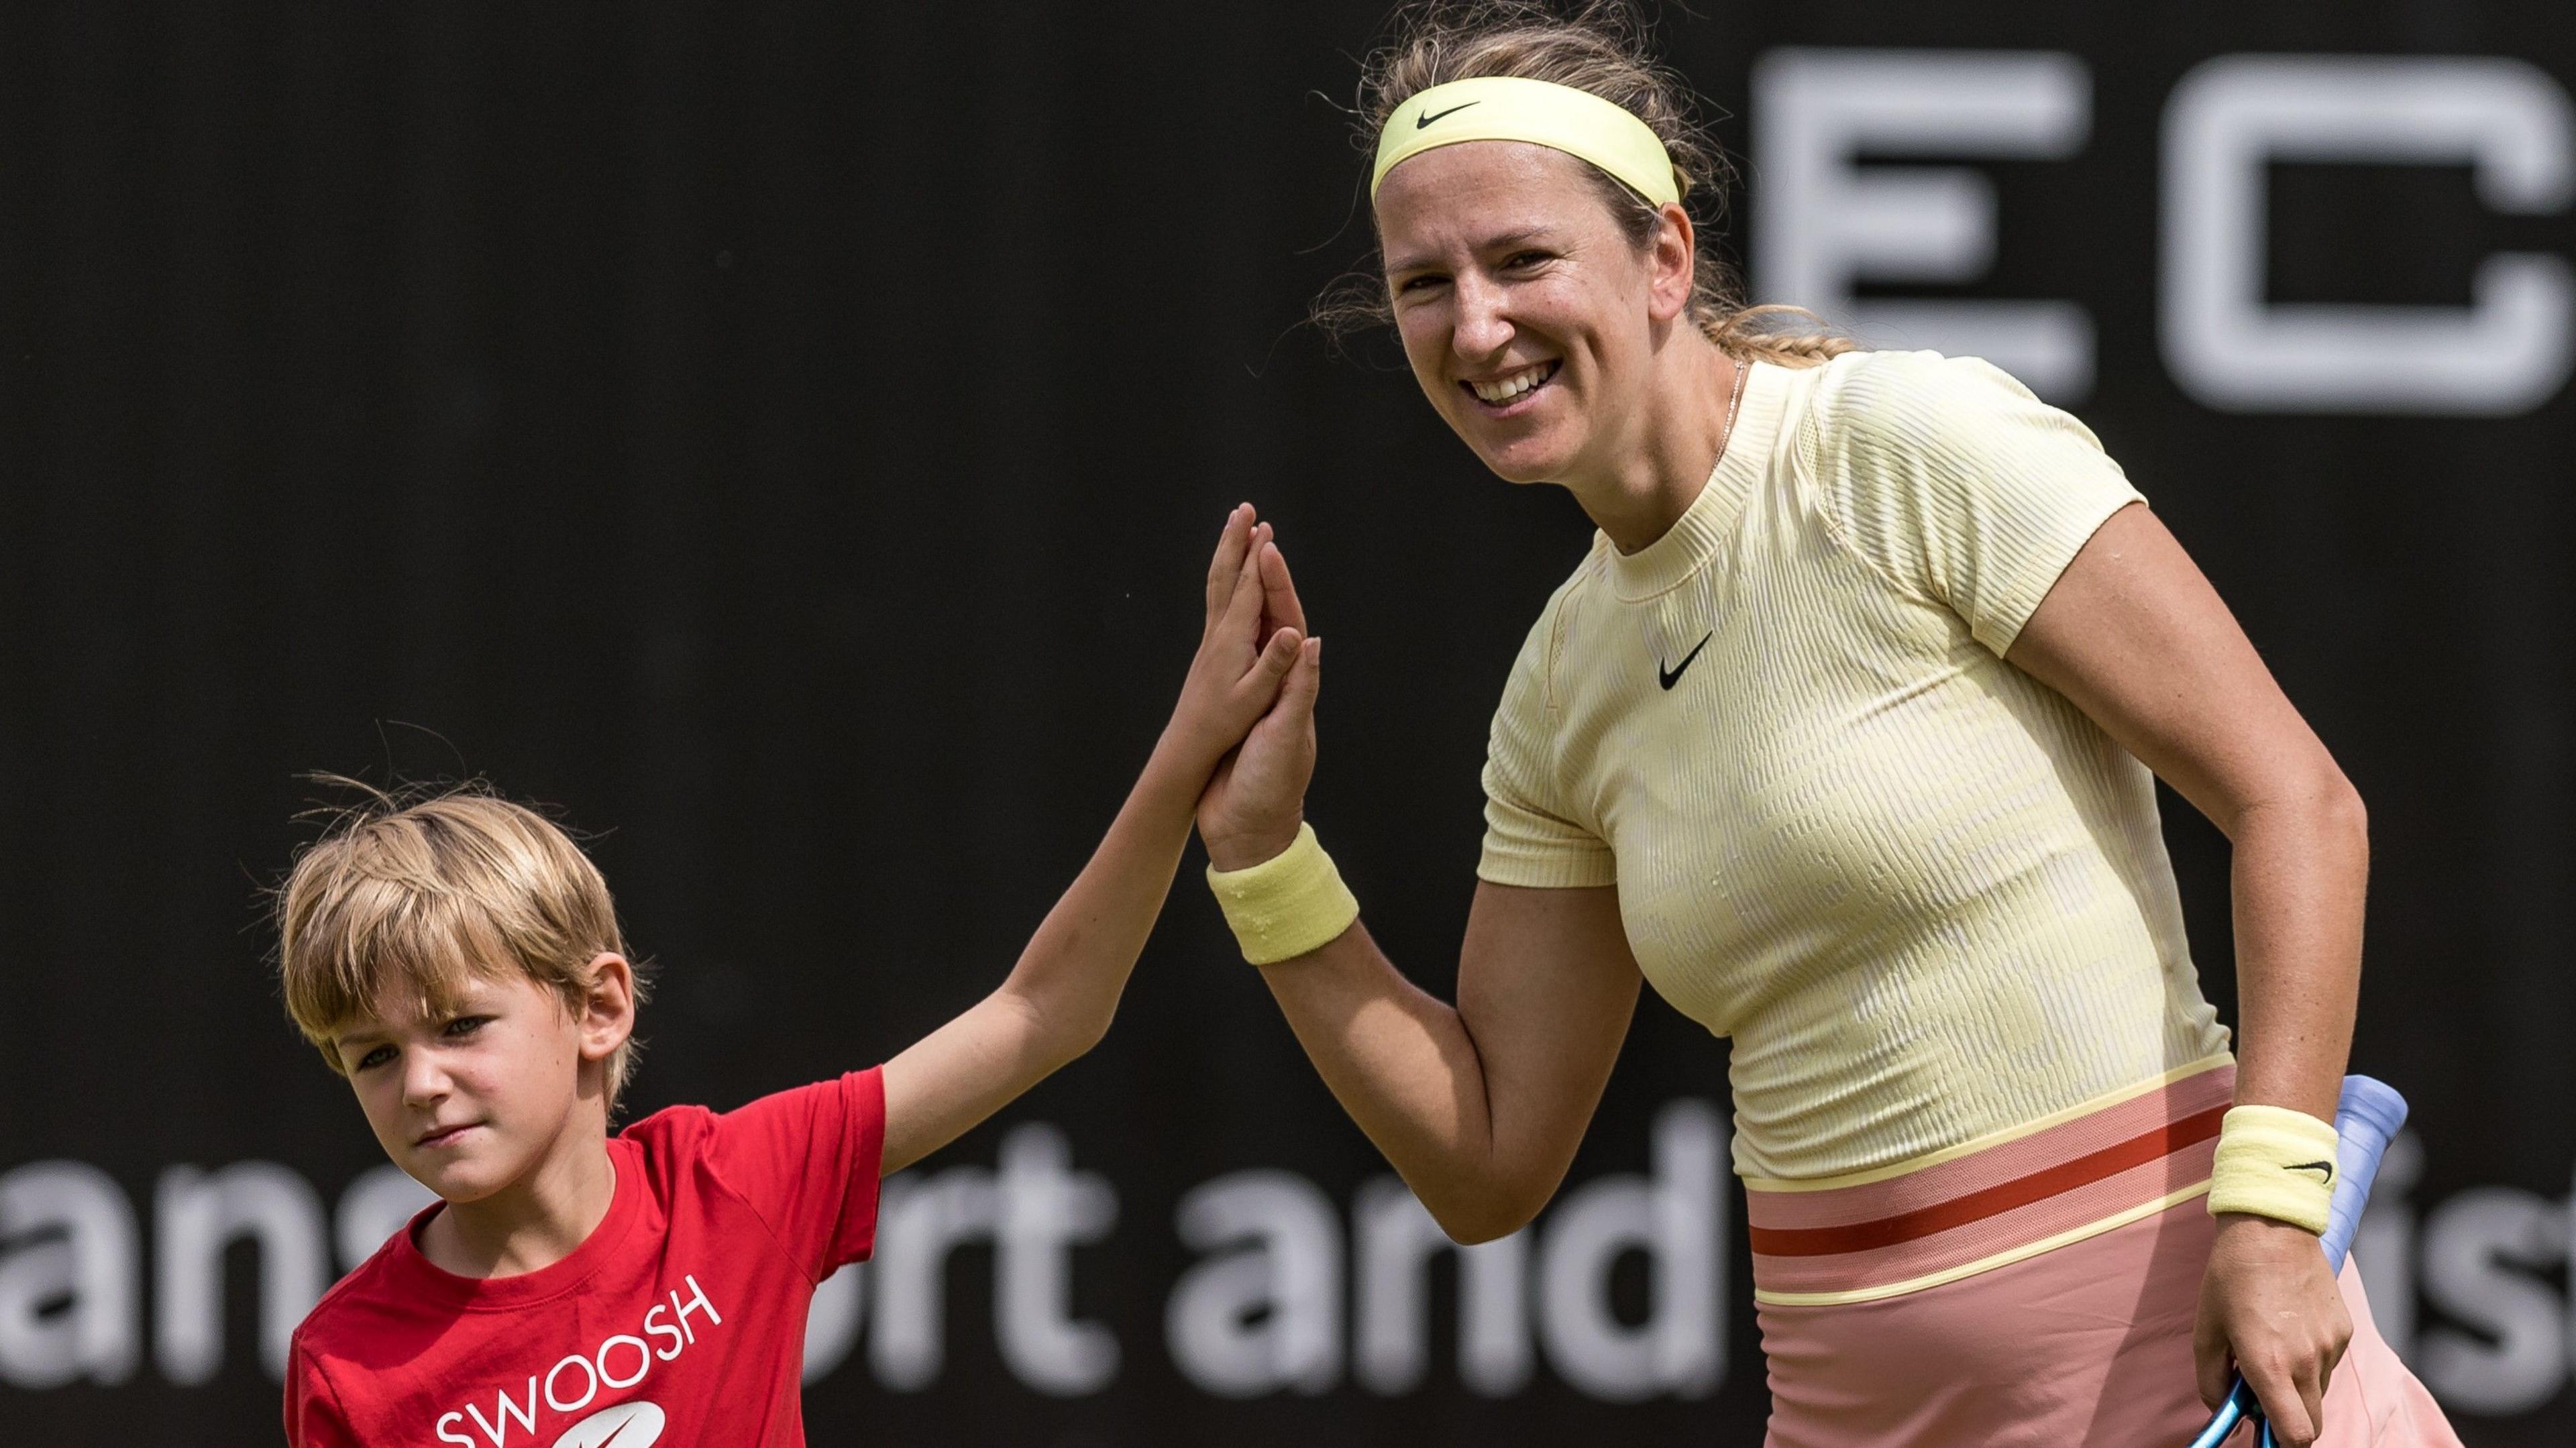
<point>419,892</point>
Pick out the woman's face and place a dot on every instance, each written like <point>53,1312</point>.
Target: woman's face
<point>1528,315</point>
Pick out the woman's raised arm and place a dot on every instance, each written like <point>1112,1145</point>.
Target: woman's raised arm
<point>1478,1106</point>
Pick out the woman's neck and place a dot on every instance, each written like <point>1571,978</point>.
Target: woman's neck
<point>532,1223</point>
<point>1655,465</point>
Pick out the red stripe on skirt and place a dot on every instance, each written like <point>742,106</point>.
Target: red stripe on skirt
<point>2147,1146</point>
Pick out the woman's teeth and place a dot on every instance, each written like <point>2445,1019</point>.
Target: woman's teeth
<point>1510,386</point>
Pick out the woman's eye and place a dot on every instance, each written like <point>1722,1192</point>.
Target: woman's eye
<point>1527,259</point>
<point>1415,284</point>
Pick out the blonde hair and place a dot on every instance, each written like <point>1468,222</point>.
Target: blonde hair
<point>418,890</point>
<point>1601,48</point>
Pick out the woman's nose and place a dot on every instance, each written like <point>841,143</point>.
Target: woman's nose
<point>1479,329</point>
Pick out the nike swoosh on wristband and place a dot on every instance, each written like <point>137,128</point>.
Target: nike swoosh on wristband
<point>1423,120</point>
<point>2321,1166</point>
<point>1673,675</point>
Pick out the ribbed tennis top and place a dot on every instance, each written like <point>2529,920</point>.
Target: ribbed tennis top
<point>1926,896</point>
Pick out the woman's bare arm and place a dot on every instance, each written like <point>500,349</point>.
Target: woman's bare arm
<point>2134,636</point>
<point>1479,1106</point>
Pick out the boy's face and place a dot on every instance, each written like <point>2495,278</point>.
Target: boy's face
<point>471,1101</point>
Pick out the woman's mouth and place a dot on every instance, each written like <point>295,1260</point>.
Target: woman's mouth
<point>1512,392</point>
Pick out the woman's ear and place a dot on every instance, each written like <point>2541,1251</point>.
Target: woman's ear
<point>608,1009</point>
<point>1670,264</point>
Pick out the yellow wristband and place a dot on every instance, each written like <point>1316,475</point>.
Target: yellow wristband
<point>1287,905</point>
<point>2274,1162</point>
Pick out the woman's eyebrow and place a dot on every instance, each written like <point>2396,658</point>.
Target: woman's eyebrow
<point>1499,242</point>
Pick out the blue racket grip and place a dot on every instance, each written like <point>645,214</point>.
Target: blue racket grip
<point>2366,1120</point>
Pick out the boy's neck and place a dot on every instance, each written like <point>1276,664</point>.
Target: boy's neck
<point>530,1224</point>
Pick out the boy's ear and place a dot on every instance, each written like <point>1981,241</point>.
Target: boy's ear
<point>608,1012</point>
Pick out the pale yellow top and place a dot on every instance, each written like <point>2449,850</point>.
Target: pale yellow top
<point>1926,895</point>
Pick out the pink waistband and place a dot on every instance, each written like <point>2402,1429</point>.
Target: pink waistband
<point>1993,1205</point>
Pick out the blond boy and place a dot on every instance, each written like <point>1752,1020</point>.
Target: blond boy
<point>459,960</point>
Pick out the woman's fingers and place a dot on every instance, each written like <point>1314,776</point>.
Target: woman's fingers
<point>1305,680</point>
<point>2284,1403</point>
<point>2210,1362</point>
<point>1280,607</point>
<point>1278,657</point>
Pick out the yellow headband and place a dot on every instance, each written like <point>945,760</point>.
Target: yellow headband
<point>1543,113</point>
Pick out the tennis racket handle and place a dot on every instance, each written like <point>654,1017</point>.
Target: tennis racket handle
<point>2365,1122</point>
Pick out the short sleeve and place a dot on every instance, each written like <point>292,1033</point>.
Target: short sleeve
<point>1957,484</point>
<point>314,1418</point>
<point>808,1161</point>
<point>1531,835</point>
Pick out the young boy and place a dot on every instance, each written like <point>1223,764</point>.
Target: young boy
<point>458,959</point>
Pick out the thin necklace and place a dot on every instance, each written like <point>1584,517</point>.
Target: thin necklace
<point>1734,400</point>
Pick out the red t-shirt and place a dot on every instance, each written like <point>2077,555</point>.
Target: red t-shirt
<point>681,1319</point>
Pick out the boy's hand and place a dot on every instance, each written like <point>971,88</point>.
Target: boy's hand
<point>1246,653</point>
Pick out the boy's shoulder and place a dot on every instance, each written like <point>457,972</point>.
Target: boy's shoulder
<point>361,1305</point>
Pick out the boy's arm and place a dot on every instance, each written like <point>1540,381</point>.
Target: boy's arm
<point>1059,998</point>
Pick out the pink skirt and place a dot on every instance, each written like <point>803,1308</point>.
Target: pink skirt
<point>2040,1292</point>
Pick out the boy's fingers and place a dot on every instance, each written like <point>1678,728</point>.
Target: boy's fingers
<point>1243,607</point>
<point>1231,543</point>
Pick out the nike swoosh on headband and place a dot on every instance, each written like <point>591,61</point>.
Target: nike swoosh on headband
<point>1420,121</point>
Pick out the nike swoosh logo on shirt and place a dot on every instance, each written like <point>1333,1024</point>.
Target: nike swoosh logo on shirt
<point>1673,675</point>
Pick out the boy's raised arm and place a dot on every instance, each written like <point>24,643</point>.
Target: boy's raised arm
<point>1058,1000</point>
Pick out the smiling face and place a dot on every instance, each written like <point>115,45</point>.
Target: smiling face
<point>1529,316</point>
<point>476,1097</point>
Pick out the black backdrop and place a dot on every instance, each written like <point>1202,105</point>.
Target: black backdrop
<point>787,438</point>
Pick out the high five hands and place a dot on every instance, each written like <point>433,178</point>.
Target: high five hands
<point>1253,806</point>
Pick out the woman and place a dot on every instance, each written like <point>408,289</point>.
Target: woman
<point>1841,736</point>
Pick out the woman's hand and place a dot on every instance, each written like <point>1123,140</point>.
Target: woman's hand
<point>2269,1305</point>
<point>1253,806</point>
<point>1243,658</point>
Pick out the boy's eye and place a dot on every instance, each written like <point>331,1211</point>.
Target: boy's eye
<point>467,1025</point>
<point>375,1057</point>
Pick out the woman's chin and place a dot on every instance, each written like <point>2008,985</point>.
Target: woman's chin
<point>1523,467</point>
<point>1525,459</point>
